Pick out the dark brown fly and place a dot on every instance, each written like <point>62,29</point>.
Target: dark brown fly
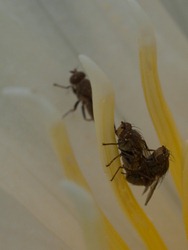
<point>142,166</point>
<point>132,146</point>
<point>81,87</point>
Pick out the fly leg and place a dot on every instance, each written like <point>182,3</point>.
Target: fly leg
<point>116,173</point>
<point>61,86</point>
<point>72,110</point>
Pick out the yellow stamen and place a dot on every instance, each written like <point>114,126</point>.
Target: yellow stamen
<point>185,189</point>
<point>103,104</point>
<point>158,109</point>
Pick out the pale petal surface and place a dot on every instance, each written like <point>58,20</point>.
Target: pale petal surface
<point>40,42</point>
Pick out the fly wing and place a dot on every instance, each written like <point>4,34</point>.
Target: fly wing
<point>145,189</point>
<point>151,191</point>
<point>84,90</point>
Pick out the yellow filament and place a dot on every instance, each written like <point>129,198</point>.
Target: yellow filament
<point>103,103</point>
<point>72,172</point>
<point>185,189</point>
<point>158,109</point>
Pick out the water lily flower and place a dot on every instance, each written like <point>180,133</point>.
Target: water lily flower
<point>55,189</point>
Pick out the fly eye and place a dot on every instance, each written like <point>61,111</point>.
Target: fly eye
<point>165,153</point>
<point>160,158</point>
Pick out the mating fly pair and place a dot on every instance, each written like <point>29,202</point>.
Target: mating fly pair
<point>81,87</point>
<point>142,166</point>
